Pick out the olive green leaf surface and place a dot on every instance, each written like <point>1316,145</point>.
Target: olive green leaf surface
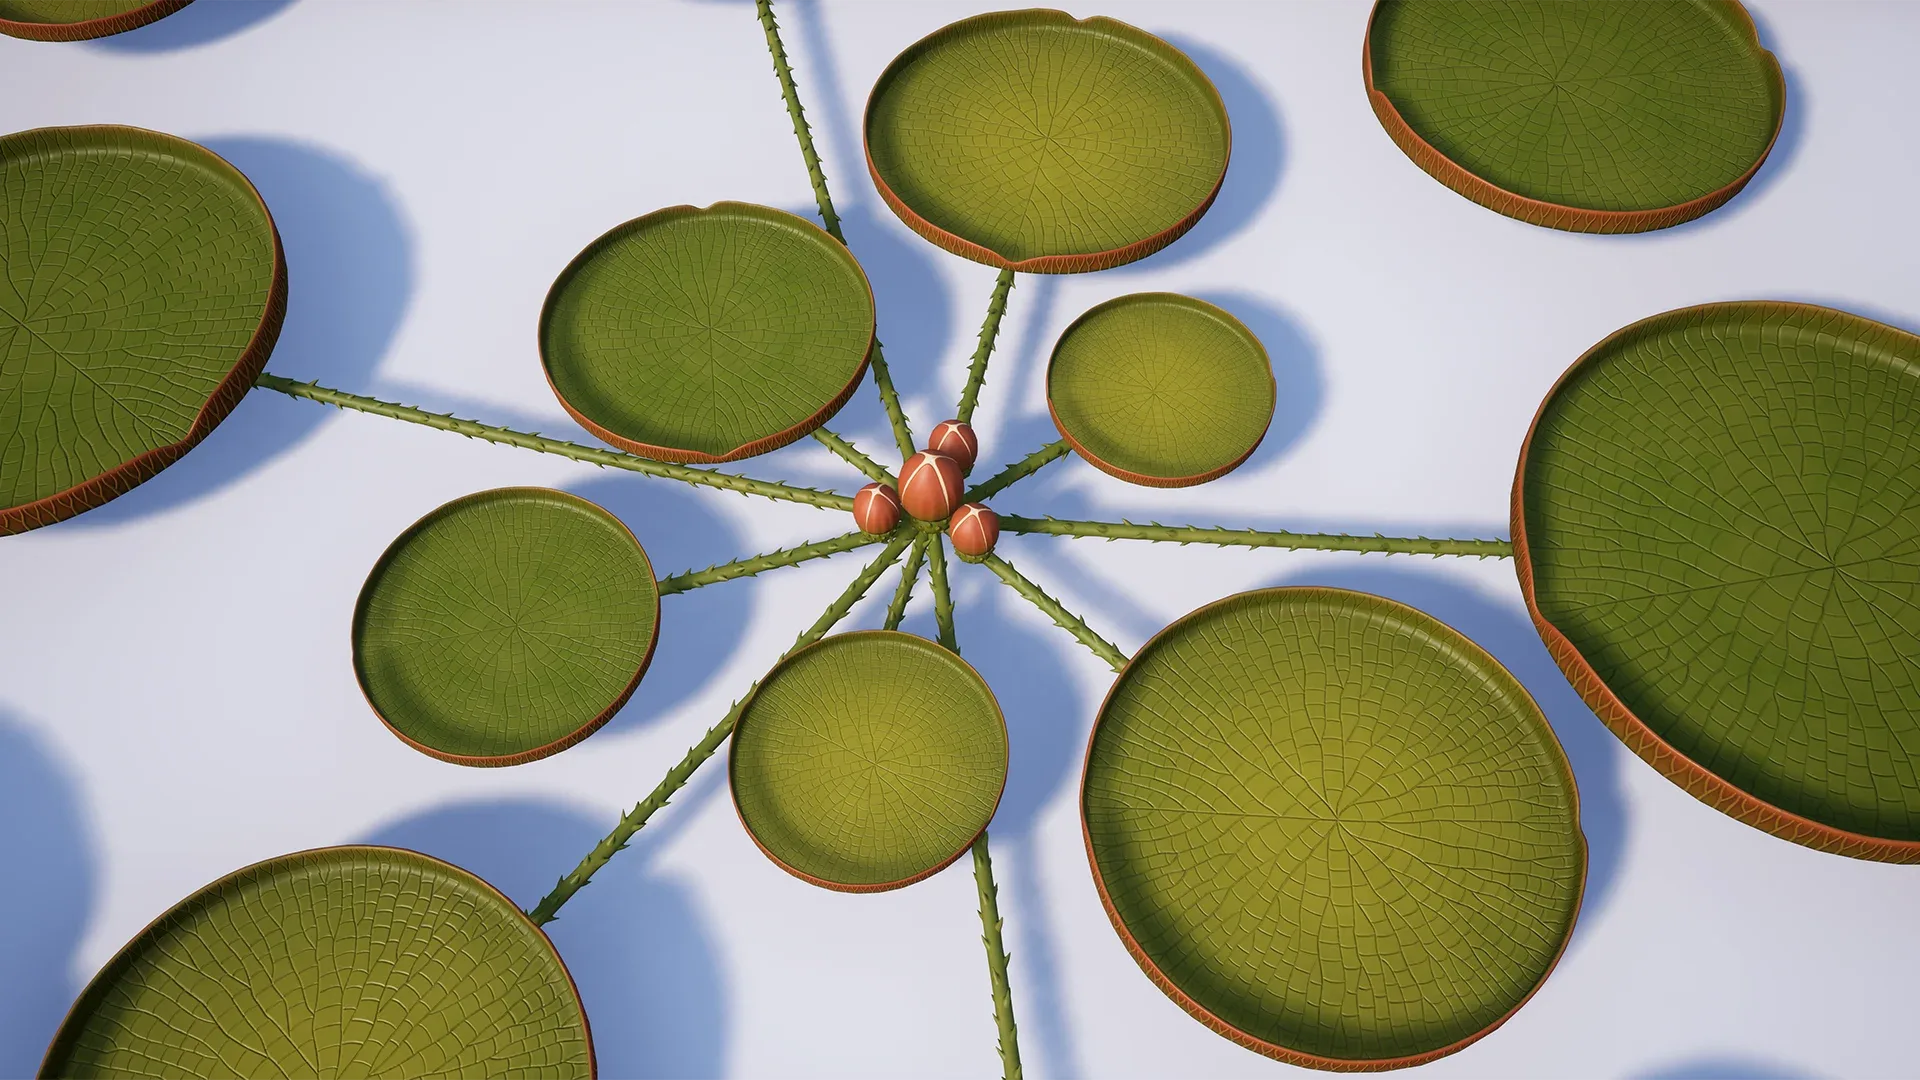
<point>347,961</point>
<point>1160,389</point>
<point>1332,828</point>
<point>869,760</point>
<point>506,626</point>
<point>708,335</point>
<point>141,289</point>
<point>1717,525</point>
<point>77,20</point>
<point>1030,141</point>
<point>1589,117</point>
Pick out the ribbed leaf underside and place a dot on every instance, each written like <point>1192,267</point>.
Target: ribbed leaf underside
<point>505,621</point>
<point>134,270</point>
<point>869,758</point>
<point>1161,385</point>
<point>1598,106</point>
<point>1723,512</point>
<point>1031,134</point>
<point>334,963</point>
<point>1334,823</point>
<point>707,330</point>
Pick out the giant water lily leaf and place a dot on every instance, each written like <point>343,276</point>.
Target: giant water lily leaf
<point>1589,117</point>
<point>141,288</point>
<point>1716,523</point>
<point>506,626</point>
<point>869,760</point>
<point>708,335</point>
<point>78,20</point>
<point>347,961</point>
<point>1331,828</point>
<point>1160,389</point>
<point>1032,141</point>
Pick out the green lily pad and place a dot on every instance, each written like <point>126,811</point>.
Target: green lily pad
<point>1160,389</point>
<point>708,335</point>
<point>1031,141</point>
<point>1715,527</point>
<point>141,289</point>
<point>344,961</point>
<point>868,761</point>
<point>506,626</point>
<point>1332,829</point>
<point>78,20</point>
<point>1588,117</point>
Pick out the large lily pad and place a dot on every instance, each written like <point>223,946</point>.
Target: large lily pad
<point>1161,389</point>
<point>1715,526</point>
<point>869,761</point>
<point>708,335</point>
<point>346,961</point>
<point>142,287</point>
<point>1031,141</point>
<point>506,626</point>
<point>1589,117</point>
<point>78,20</point>
<point>1332,829</point>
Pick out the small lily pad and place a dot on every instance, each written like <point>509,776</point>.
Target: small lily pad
<point>708,335</point>
<point>506,626</point>
<point>1332,829</point>
<point>1029,140</point>
<point>345,961</point>
<point>1715,528</point>
<point>1588,117</point>
<point>1160,389</point>
<point>142,287</point>
<point>78,20</point>
<point>869,761</point>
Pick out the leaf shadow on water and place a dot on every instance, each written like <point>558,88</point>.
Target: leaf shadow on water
<point>1727,1067</point>
<point>47,856</point>
<point>349,280</point>
<point>201,23</point>
<point>636,939</point>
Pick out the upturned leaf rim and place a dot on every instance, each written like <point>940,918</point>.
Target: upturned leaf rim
<point>87,29</point>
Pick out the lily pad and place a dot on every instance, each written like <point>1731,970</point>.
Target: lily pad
<point>869,761</point>
<point>344,961</point>
<point>1032,141</point>
<point>1714,525</point>
<point>1160,389</point>
<point>1332,829</point>
<point>142,287</point>
<point>1588,117</point>
<point>708,335</point>
<point>78,20</point>
<point>506,626</point>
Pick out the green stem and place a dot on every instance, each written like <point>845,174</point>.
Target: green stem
<point>739,568</point>
<point>527,441</point>
<point>942,594</point>
<point>989,330</point>
<point>909,573</point>
<point>1017,471</point>
<point>1061,617</point>
<point>677,777</point>
<point>853,456</point>
<point>882,378</point>
<point>1187,534</point>
<point>990,925</point>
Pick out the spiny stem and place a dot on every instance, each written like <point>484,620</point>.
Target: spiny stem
<point>990,924</point>
<point>942,595</point>
<point>909,573</point>
<point>677,777</point>
<point>989,330</point>
<point>739,568</point>
<point>1017,471</point>
<point>530,441</point>
<point>1061,617</point>
<point>1187,534</point>
<point>882,378</point>
<point>852,455</point>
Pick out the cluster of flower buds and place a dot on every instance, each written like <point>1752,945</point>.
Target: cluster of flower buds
<point>929,489</point>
